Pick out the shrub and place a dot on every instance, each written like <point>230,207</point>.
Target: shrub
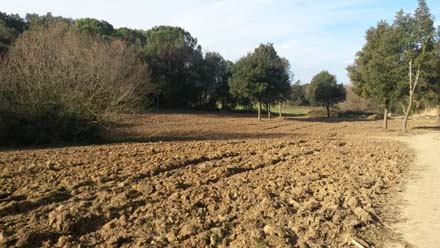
<point>58,85</point>
<point>356,103</point>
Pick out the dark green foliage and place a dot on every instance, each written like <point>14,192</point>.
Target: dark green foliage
<point>132,36</point>
<point>95,27</point>
<point>35,21</point>
<point>173,55</point>
<point>261,76</point>
<point>415,38</point>
<point>431,88</point>
<point>397,60</point>
<point>298,94</point>
<point>11,26</point>
<point>77,72</point>
<point>324,90</point>
<point>51,126</point>
<point>213,87</point>
<point>182,76</point>
<point>377,69</point>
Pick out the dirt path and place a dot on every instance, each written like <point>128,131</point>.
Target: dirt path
<point>421,210</point>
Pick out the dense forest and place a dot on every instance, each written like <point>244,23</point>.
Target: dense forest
<point>61,79</point>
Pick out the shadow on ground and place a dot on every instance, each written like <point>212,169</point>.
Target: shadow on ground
<point>199,137</point>
<point>431,128</point>
<point>326,120</point>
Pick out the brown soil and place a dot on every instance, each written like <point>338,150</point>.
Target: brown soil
<point>189,180</point>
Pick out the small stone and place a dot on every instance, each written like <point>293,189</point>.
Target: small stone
<point>171,237</point>
<point>110,225</point>
<point>50,165</point>
<point>123,220</point>
<point>62,241</point>
<point>352,202</point>
<point>363,215</point>
<point>188,230</point>
<point>268,229</point>
<point>3,237</point>
<point>312,205</point>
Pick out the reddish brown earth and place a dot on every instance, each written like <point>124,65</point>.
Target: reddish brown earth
<point>205,180</point>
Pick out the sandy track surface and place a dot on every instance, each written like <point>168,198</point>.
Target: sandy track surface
<point>187,180</point>
<point>421,210</point>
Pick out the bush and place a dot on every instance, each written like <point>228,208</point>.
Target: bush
<point>58,85</point>
<point>356,103</point>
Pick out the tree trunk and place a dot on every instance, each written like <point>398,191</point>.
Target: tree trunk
<point>405,118</point>
<point>407,112</point>
<point>280,106</point>
<point>412,88</point>
<point>438,108</point>
<point>268,111</point>
<point>328,111</point>
<point>385,118</point>
<point>259,111</point>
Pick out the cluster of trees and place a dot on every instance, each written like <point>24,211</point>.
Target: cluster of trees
<point>261,77</point>
<point>400,63</point>
<point>61,78</point>
<point>323,90</point>
<point>181,75</point>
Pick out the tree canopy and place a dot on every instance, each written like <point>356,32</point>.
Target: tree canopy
<point>172,54</point>
<point>217,72</point>
<point>325,90</point>
<point>396,60</point>
<point>262,76</point>
<point>95,27</point>
<point>11,26</point>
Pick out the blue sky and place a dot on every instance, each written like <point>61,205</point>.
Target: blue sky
<point>314,35</point>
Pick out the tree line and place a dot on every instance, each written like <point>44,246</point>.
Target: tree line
<point>60,78</point>
<point>180,74</point>
<point>399,65</point>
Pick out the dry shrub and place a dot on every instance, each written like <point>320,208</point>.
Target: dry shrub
<point>356,103</point>
<point>57,85</point>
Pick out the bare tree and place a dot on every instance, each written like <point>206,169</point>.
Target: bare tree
<point>59,71</point>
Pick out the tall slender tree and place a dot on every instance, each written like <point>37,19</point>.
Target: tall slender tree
<point>416,39</point>
<point>377,70</point>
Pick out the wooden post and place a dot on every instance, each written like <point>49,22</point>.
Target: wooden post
<point>385,118</point>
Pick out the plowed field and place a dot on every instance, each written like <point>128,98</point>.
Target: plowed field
<point>187,180</point>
